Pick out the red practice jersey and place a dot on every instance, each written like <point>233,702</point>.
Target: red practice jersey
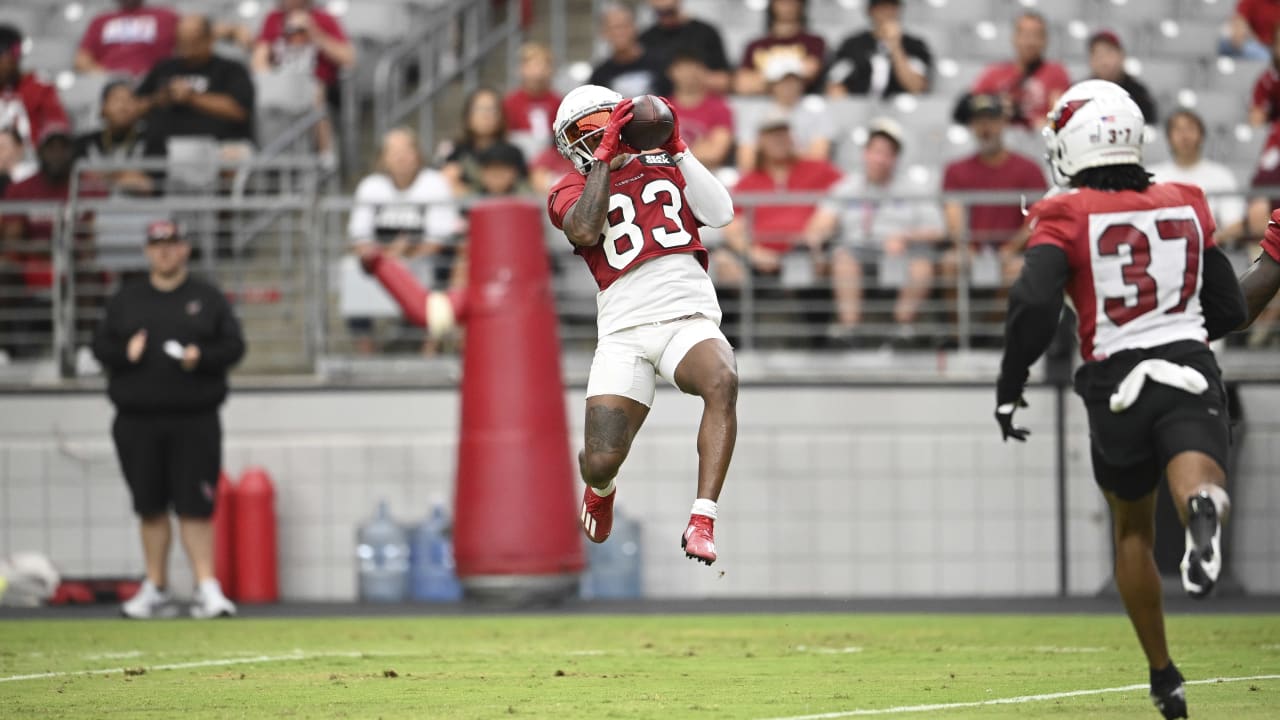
<point>1135,260</point>
<point>648,217</point>
<point>1271,239</point>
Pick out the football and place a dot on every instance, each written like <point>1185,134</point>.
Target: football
<point>651,123</point>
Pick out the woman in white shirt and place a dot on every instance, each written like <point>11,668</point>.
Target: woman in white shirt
<point>406,210</point>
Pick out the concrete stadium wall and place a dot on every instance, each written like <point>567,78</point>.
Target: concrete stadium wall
<point>834,491</point>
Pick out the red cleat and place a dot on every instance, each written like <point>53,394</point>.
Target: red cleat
<point>699,540</point>
<point>597,515</point>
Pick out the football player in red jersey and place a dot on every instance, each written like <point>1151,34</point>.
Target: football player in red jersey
<point>1151,289</point>
<point>1262,280</point>
<point>634,219</point>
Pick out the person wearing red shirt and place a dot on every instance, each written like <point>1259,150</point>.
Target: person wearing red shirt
<point>130,40</point>
<point>996,232</point>
<point>763,235</point>
<point>1029,84</point>
<point>547,168</point>
<point>1252,28</point>
<point>706,122</point>
<point>26,267</point>
<point>300,38</point>
<point>27,104</point>
<point>1265,105</point>
<point>531,107</point>
<point>786,36</point>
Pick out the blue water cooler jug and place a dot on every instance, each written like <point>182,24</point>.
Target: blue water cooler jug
<point>614,568</point>
<point>432,576</point>
<point>382,554</point>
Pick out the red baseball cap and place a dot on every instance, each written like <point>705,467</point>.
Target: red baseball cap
<point>53,130</point>
<point>163,231</point>
<point>1106,36</point>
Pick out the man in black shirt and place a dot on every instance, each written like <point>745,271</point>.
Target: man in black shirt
<point>167,342</point>
<point>120,138</point>
<point>1106,62</point>
<point>675,32</point>
<point>881,61</point>
<point>196,92</point>
<point>631,69</point>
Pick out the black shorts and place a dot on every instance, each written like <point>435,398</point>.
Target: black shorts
<point>170,461</point>
<point>1131,449</point>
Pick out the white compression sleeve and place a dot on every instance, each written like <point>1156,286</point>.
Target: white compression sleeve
<point>707,196</point>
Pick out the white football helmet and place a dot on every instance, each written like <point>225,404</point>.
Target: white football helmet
<point>582,115</point>
<point>1094,123</point>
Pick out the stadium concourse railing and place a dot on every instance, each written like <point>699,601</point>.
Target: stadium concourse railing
<point>280,248</point>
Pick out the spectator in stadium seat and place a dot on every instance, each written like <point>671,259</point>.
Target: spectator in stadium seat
<point>631,69</point>
<point>706,122</point>
<point>407,210</point>
<point>872,221</point>
<point>883,60</point>
<point>786,36</point>
<point>1251,29</point>
<point>501,171</point>
<point>26,239</point>
<point>1265,106</point>
<point>298,37</point>
<point>1106,62</point>
<point>1029,83</point>
<point>122,137</point>
<point>12,156</point>
<point>484,125</point>
<point>764,235</point>
<point>531,107</point>
<point>812,128</point>
<point>996,233</point>
<point>1185,132</point>
<point>197,93</point>
<point>128,41</point>
<point>27,104</point>
<point>674,31</point>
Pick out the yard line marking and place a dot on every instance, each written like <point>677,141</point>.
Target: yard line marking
<point>185,665</point>
<point>114,655</point>
<point>1010,700</point>
<point>1053,649</point>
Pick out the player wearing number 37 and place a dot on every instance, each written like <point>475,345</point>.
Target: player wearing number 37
<point>634,219</point>
<point>1151,289</point>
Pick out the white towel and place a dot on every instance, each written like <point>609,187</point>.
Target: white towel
<point>1163,372</point>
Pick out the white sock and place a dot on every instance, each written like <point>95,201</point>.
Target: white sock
<point>702,506</point>
<point>606,491</point>
<point>210,586</point>
<point>1221,501</point>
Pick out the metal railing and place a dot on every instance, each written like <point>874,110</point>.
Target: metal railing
<point>411,76</point>
<point>295,282</point>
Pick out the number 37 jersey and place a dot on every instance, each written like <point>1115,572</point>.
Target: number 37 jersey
<point>650,264</point>
<point>1135,260</point>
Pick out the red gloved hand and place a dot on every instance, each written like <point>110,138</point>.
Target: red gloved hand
<point>611,144</point>
<point>675,144</point>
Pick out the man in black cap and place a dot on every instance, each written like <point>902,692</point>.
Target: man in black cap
<point>167,343</point>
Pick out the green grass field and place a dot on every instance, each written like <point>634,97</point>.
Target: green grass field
<point>740,666</point>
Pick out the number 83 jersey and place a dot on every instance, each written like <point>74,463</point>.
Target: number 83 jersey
<point>649,264</point>
<point>1135,261</point>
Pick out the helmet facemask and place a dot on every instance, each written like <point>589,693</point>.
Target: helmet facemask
<point>578,140</point>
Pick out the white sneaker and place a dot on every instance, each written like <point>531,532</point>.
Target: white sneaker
<point>1202,562</point>
<point>149,602</point>
<point>209,602</point>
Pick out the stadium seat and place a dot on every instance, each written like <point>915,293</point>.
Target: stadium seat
<point>48,55</point>
<point>29,19</point>
<point>1239,145</point>
<point>1218,109</point>
<point>1111,12</point>
<point>1163,75</point>
<point>116,234</point>
<point>81,100</point>
<point>1170,38</point>
<point>1233,75</point>
<point>850,113</point>
<point>933,13</point>
<point>385,21</point>
<point>1155,149</point>
<point>952,77</point>
<point>984,40</point>
<point>1058,13</point>
<point>1210,10</point>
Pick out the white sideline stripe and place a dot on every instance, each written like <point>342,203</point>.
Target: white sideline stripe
<point>1010,700</point>
<point>185,665</point>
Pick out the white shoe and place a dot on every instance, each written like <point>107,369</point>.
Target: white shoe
<point>148,603</point>
<point>209,602</point>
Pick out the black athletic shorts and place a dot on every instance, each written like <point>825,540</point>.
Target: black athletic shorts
<point>1131,449</point>
<point>170,461</point>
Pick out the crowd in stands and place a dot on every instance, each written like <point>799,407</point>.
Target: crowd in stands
<point>880,233</point>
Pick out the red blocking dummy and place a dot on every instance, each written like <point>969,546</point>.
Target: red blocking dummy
<point>224,528</point>
<point>257,580</point>
<point>435,311</point>
<point>515,529</point>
